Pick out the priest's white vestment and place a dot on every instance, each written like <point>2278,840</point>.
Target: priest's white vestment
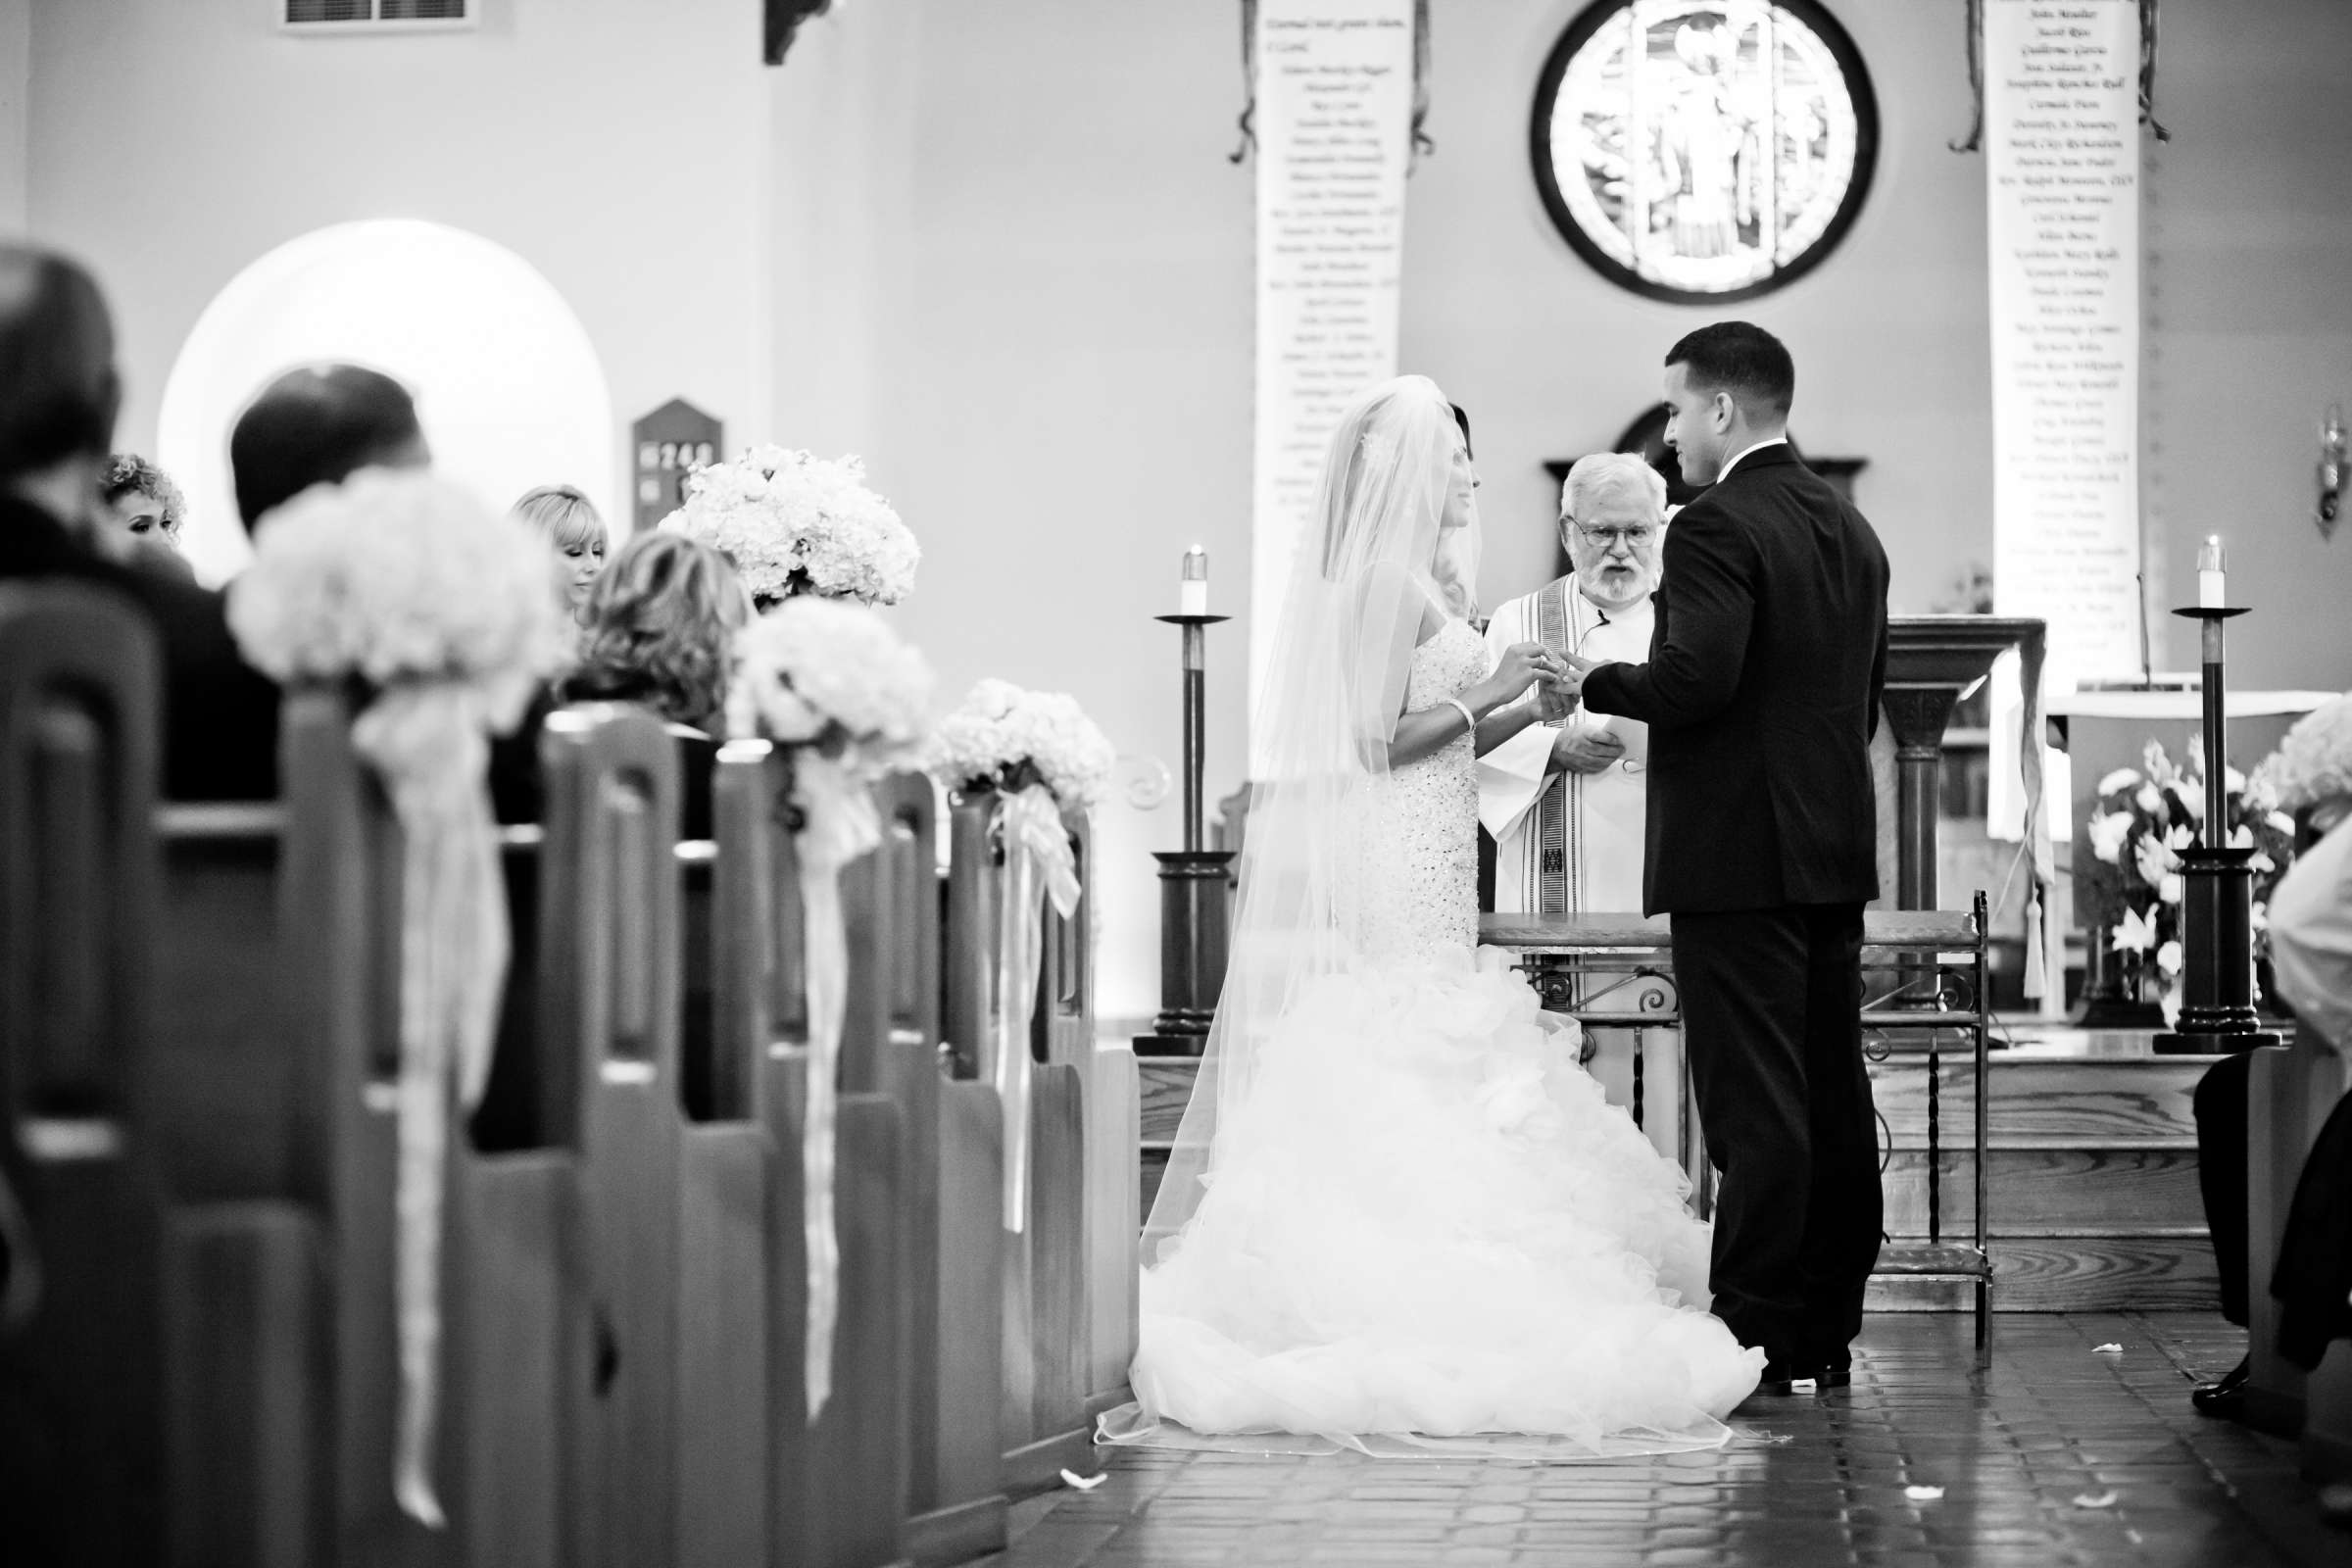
<point>1567,843</point>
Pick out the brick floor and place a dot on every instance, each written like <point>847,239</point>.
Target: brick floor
<point>2057,1454</point>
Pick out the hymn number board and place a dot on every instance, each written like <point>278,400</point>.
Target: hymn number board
<point>670,442</point>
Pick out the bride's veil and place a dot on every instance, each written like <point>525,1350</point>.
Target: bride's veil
<point>1368,565</point>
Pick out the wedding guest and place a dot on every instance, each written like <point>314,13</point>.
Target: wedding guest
<point>658,629</point>
<point>320,424</point>
<point>569,521</point>
<point>2311,955</point>
<point>59,395</point>
<point>142,501</point>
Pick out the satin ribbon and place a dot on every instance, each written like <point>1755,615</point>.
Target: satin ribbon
<point>428,744</point>
<point>1037,852</point>
<point>838,824</point>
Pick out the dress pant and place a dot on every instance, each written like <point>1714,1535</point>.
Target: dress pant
<point>2221,1110</point>
<point>1770,1015</point>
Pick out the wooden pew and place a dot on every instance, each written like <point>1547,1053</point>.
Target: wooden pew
<point>80,1336</point>
<point>285,921</point>
<point>2289,1093</point>
<point>952,1162</point>
<point>838,1492</point>
<point>1048,1318</point>
<point>1111,1132</point>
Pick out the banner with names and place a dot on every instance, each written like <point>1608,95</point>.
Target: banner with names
<point>1334,104</point>
<point>2062,202</point>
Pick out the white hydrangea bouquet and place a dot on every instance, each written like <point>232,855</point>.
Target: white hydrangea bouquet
<point>1040,754</point>
<point>2313,764</point>
<point>443,617</point>
<point>1006,739</point>
<point>835,688</point>
<point>794,523</point>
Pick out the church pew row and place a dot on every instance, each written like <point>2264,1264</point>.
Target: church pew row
<point>621,1271</point>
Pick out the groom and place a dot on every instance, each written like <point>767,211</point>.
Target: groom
<point>1761,693</point>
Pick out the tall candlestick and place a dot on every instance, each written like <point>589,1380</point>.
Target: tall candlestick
<point>1193,590</point>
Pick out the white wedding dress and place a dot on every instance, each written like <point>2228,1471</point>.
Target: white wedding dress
<point>1424,1221</point>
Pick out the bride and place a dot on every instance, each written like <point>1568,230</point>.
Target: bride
<point>1398,1208</point>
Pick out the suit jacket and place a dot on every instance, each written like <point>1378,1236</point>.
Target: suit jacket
<point>220,714</point>
<point>1761,694</point>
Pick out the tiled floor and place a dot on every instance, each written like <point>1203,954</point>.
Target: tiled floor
<point>2059,1453</point>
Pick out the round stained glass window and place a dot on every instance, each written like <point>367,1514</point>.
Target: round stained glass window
<point>1704,150</point>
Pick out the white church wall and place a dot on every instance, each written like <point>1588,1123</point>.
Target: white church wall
<point>2248,328</point>
<point>618,147</point>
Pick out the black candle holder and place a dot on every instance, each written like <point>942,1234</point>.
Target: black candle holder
<point>2217,891</point>
<point>1196,885</point>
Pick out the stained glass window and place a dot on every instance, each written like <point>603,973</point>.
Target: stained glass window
<point>1704,149</point>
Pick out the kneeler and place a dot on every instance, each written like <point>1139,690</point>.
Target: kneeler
<point>79,1334</point>
<point>837,1489</point>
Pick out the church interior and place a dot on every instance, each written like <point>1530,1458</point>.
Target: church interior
<point>744,1150</point>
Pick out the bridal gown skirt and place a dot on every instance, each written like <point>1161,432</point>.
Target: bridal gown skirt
<point>1426,1220</point>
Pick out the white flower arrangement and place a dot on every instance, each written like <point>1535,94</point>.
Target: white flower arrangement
<point>816,671</point>
<point>794,523</point>
<point>396,578</point>
<point>1004,738</point>
<point>2313,763</point>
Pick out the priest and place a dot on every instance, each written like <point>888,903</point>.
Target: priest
<point>1564,798</point>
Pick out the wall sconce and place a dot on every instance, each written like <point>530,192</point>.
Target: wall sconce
<point>2332,470</point>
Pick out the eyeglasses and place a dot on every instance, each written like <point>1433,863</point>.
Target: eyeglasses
<point>1610,538</point>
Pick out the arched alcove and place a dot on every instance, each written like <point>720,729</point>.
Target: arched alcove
<point>507,381</point>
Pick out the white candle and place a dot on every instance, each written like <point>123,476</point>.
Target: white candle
<point>2210,588</point>
<point>1193,590</point>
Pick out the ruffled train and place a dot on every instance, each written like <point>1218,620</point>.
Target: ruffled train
<point>1427,1221</point>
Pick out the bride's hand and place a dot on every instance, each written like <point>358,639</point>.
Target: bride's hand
<point>1521,666</point>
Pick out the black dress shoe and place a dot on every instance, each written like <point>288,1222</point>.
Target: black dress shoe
<point>2226,1400</point>
<point>1780,1378</point>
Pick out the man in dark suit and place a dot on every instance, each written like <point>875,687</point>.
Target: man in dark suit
<point>1761,693</point>
<point>58,397</point>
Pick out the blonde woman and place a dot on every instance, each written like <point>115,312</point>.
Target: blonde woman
<point>570,523</point>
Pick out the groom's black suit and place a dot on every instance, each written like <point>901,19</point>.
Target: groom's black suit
<point>1761,694</point>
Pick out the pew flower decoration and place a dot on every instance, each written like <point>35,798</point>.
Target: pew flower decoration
<point>2313,764</point>
<point>831,685</point>
<point>2145,817</point>
<point>1039,754</point>
<point>796,524</point>
<point>442,617</point>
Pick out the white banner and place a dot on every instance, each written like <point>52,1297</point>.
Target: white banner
<point>2062,206</point>
<point>1334,104</point>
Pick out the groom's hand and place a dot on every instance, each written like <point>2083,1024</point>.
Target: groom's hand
<point>1586,750</point>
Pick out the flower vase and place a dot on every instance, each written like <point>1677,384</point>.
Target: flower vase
<point>2115,993</point>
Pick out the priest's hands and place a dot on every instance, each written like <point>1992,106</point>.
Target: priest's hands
<point>1586,750</point>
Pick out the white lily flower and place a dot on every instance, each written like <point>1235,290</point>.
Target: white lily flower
<point>2122,778</point>
<point>2134,933</point>
<point>2149,799</point>
<point>2169,889</point>
<point>2181,837</point>
<point>2282,822</point>
<point>2108,834</point>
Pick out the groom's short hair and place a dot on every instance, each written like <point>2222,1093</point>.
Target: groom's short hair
<point>1743,359</point>
<point>318,424</point>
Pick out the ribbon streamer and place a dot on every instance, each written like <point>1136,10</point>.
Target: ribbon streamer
<point>839,823</point>
<point>427,743</point>
<point>1037,857</point>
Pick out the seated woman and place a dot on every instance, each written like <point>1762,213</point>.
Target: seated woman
<point>658,629</point>
<point>143,507</point>
<point>568,520</point>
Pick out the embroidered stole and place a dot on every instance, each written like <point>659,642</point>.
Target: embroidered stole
<point>1563,617</point>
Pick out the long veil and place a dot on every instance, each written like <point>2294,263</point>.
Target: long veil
<point>1373,559</point>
